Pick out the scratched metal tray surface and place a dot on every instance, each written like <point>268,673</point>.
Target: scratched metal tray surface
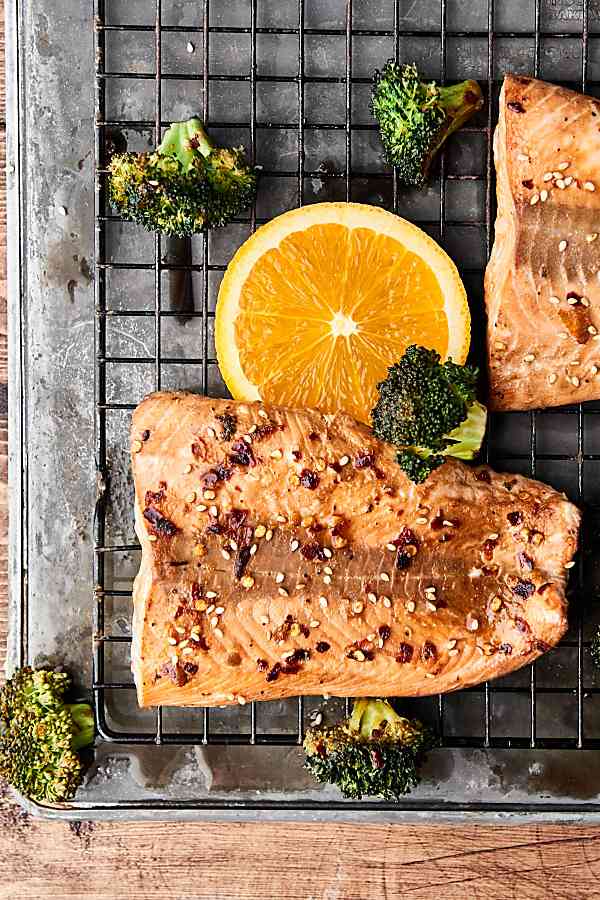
<point>94,328</point>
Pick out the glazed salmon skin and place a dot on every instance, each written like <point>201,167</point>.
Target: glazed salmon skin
<point>542,284</point>
<point>284,552</point>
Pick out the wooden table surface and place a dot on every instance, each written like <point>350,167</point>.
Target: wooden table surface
<point>40,859</point>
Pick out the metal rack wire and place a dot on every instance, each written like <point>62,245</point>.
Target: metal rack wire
<point>575,450</point>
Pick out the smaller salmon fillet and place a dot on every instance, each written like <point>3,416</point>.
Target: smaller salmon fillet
<point>542,284</point>
<point>284,552</point>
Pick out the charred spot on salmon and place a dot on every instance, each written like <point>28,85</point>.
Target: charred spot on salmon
<point>322,647</point>
<point>160,523</point>
<point>262,665</point>
<point>523,588</point>
<point>483,475</point>
<point>428,651</point>
<point>241,561</point>
<point>273,674</point>
<point>154,497</point>
<point>364,460</point>
<point>242,454</point>
<point>544,587</point>
<point>312,551</point>
<point>228,426</point>
<point>407,545</point>
<point>179,562</point>
<point>505,648</point>
<point>313,436</point>
<point>145,435</point>
<point>265,431</point>
<point>528,183</point>
<point>525,561</point>
<point>384,632</point>
<point>405,653</point>
<point>296,455</point>
<point>515,518</point>
<point>542,646</point>
<point>282,632</point>
<point>309,479</point>
<point>199,449</point>
<point>522,625</point>
<point>437,522</point>
<point>516,106</point>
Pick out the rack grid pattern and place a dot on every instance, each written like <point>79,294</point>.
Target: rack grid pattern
<point>518,441</point>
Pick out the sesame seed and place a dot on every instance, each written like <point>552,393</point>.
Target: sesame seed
<point>247,439</point>
<point>225,554</point>
<point>276,454</point>
<point>591,237</point>
<point>179,629</point>
<point>568,180</point>
<point>496,604</point>
<point>552,378</point>
<point>344,460</point>
<point>263,414</point>
<point>430,589</point>
<point>589,186</point>
<point>282,592</point>
<point>327,553</point>
<point>241,700</point>
<point>279,577</point>
<point>219,610</point>
<point>187,651</point>
<point>320,465</point>
<point>560,184</point>
<point>391,547</point>
<point>201,507</point>
<point>359,655</point>
<point>522,157</point>
<point>307,521</point>
<point>323,602</point>
<point>218,632</point>
<point>562,246</point>
<point>384,576</point>
<point>431,607</point>
<point>136,446</point>
<point>452,652</point>
<point>328,570</point>
<point>556,174</point>
<point>500,345</point>
<point>357,607</point>
<point>543,195</point>
<point>260,531</point>
<point>429,675</point>
<point>152,538</point>
<point>327,579</point>
<point>174,659</point>
<point>190,497</point>
<point>563,165</point>
<point>472,624</point>
<point>451,644</point>
<point>214,621</point>
<point>534,199</point>
<point>187,469</point>
<point>210,431</point>
<point>575,381</point>
<point>371,597</point>
<point>294,546</point>
<point>252,429</point>
<point>547,176</point>
<point>247,582</point>
<point>173,641</point>
<point>572,301</point>
<point>209,495</point>
<point>269,534</point>
<point>411,605</point>
<point>421,520</point>
<point>554,300</point>
<point>210,595</point>
<point>314,623</point>
<point>570,565</point>
<point>529,358</point>
<point>253,549</point>
<point>264,620</point>
<point>563,335</point>
<point>295,630</point>
<point>281,519</point>
<point>213,511</point>
<point>593,370</point>
<point>386,602</point>
<point>210,609</point>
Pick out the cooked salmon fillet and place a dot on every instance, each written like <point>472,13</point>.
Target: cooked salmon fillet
<point>542,284</point>
<point>284,552</point>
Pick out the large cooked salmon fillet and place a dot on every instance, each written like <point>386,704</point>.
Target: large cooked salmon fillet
<point>541,286</point>
<point>284,552</point>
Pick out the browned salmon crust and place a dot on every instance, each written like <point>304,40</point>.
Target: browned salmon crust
<point>284,552</point>
<point>541,286</point>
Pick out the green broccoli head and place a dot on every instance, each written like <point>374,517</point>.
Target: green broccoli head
<point>428,409</point>
<point>184,185</point>
<point>415,117</point>
<point>40,734</point>
<point>375,752</point>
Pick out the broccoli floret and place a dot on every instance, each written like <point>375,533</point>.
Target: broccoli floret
<point>40,734</point>
<point>428,409</point>
<point>186,184</point>
<point>415,117</point>
<point>375,752</point>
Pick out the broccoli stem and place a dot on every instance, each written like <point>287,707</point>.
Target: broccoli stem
<point>83,718</point>
<point>468,436</point>
<point>459,102</point>
<point>184,140</point>
<point>368,715</point>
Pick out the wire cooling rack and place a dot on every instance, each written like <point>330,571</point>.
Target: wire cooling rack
<point>291,81</point>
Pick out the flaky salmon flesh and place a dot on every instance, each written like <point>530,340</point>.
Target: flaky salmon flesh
<point>284,552</point>
<point>542,284</point>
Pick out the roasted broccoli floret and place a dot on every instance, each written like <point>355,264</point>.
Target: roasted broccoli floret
<point>375,752</point>
<point>415,117</point>
<point>40,735</point>
<point>428,410</point>
<point>184,185</point>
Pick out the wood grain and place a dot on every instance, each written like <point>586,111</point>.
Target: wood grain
<point>236,861</point>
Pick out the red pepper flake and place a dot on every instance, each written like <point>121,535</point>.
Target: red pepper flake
<point>242,454</point>
<point>516,106</point>
<point>199,449</point>
<point>428,651</point>
<point>505,648</point>
<point>214,476</point>
<point>525,561</point>
<point>483,475</point>
<point>364,460</point>
<point>175,673</point>
<point>544,587</point>
<point>262,665</point>
<point>273,674</point>
<point>407,544</point>
<point>312,551</point>
<point>524,589</point>
<point>522,625</point>
<point>322,647</point>
<point>228,426</point>
<point>437,523</point>
<point>265,431</point>
<point>528,183</point>
<point>384,632</point>
<point>377,759</point>
<point>405,653</point>
<point>313,436</point>
<point>309,479</point>
<point>160,523</point>
<point>515,518</point>
<point>241,561</point>
<point>154,497</point>
<point>297,455</point>
<point>190,668</point>
<point>488,549</point>
<point>145,435</point>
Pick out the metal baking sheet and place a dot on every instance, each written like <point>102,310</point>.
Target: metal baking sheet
<point>53,461</point>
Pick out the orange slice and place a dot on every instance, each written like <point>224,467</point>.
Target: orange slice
<point>318,303</point>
